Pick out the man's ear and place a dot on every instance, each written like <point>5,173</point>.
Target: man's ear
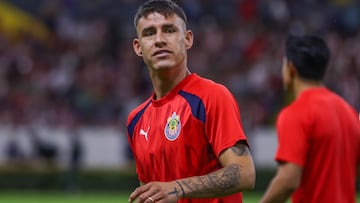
<point>189,39</point>
<point>137,47</point>
<point>292,69</point>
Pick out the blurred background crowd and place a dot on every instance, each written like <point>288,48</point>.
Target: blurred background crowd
<point>71,62</point>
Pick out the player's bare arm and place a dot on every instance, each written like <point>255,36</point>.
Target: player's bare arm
<point>238,174</point>
<point>286,181</point>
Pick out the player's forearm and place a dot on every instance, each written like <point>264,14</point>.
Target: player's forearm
<point>279,191</point>
<point>228,180</point>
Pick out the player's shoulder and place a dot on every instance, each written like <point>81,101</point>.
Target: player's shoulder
<point>303,107</point>
<point>139,109</point>
<point>296,110</point>
<point>206,87</point>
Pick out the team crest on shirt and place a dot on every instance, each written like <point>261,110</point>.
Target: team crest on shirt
<point>172,127</point>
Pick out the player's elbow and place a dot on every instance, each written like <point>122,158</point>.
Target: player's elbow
<point>248,179</point>
<point>252,180</point>
<point>238,178</point>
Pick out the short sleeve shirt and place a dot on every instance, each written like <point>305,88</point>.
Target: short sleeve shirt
<point>182,134</point>
<point>321,133</point>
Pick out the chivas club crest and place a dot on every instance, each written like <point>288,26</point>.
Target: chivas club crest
<point>172,127</point>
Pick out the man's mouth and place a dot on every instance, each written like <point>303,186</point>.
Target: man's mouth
<point>161,53</point>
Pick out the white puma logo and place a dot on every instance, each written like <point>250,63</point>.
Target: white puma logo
<point>142,132</point>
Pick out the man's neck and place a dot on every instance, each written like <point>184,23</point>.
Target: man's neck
<point>163,82</point>
<point>301,85</point>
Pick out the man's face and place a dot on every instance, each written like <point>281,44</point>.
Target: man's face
<point>162,41</point>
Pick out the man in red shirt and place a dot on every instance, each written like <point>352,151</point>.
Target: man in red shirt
<point>319,132</point>
<point>187,138</point>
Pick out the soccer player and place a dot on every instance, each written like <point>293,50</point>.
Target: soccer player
<point>318,133</point>
<point>187,138</point>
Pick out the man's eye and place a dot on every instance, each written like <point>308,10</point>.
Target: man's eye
<point>170,30</point>
<point>148,33</point>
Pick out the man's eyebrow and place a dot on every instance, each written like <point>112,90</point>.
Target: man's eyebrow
<point>150,28</point>
<point>165,26</point>
<point>169,26</point>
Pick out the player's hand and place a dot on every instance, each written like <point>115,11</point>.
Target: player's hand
<point>159,192</point>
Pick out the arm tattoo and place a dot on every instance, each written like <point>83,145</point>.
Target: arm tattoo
<point>226,179</point>
<point>240,149</point>
<point>175,192</point>
<point>219,182</point>
<point>182,189</point>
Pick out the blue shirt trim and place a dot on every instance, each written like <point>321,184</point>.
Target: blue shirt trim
<point>131,126</point>
<point>196,104</point>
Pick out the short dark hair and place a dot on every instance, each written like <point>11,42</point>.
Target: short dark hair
<point>309,54</point>
<point>164,7</point>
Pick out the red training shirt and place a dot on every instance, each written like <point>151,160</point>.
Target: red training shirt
<point>182,134</point>
<point>321,133</point>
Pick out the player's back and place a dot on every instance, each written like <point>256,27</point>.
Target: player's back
<point>334,140</point>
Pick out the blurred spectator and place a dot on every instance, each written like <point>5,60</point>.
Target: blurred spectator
<point>75,160</point>
<point>86,69</point>
<point>15,157</point>
<point>45,152</point>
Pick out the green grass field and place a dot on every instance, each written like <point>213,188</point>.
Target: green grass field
<point>39,197</point>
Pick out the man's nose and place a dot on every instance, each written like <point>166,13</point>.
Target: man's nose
<point>159,39</point>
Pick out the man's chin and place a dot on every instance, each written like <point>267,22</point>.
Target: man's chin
<point>163,66</point>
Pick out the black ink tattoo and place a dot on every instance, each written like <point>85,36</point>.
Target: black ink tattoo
<point>175,192</point>
<point>221,181</point>
<point>227,178</point>
<point>240,149</point>
<point>182,189</point>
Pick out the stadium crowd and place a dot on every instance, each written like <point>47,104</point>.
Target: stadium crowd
<point>86,72</point>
